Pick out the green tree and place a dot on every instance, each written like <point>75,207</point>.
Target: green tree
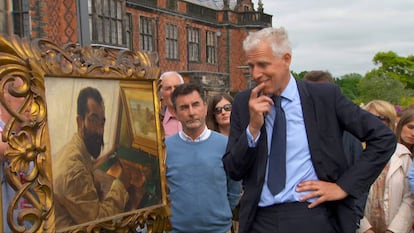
<point>381,86</point>
<point>349,85</point>
<point>300,75</point>
<point>392,65</point>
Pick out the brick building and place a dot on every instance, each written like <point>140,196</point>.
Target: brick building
<point>201,39</point>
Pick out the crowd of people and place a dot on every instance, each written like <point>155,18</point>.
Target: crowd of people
<point>387,208</point>
<point>390,201</point>
<point>202,196</point>
<point>287,155</point>
<point>345,168</point>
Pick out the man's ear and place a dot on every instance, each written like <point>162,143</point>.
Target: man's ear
<point>287,58</point>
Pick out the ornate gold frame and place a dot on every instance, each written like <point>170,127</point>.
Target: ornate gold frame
<point>32,61</point>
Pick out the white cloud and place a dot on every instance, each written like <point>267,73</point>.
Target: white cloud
<point>343,36</point>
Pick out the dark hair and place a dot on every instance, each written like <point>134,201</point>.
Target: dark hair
<point>406,117</point>
<point>185,89</point>
<point>211,117</point>
<point>84,95</point>
<point>318,76</point>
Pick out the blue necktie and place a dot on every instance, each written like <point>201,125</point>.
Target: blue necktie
<point>276,178</point>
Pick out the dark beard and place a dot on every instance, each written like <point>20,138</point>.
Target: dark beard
<point>93,142</point>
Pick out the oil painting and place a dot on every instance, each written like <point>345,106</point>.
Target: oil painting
<point>88,153</point>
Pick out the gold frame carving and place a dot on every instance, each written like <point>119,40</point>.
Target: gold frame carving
<point>29,148</point>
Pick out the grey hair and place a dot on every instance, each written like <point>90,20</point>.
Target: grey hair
<point>277,37</point>
<point>167,73</point>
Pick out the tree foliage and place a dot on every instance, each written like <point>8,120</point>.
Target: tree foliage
<point>349,85</point>
<point>394,66</point>
<point>382,87</point>
<point>392,81</point>
<point>300,75</point>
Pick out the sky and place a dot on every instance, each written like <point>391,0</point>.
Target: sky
<point>343,36</point>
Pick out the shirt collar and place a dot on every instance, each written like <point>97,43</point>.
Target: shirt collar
<point>168,115</point>
<point>291,89</point>
<point>203,136</point>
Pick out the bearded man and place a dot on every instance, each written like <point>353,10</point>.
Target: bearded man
<point>78,196</point>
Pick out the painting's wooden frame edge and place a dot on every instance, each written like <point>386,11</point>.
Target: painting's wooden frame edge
<point>31,61</point>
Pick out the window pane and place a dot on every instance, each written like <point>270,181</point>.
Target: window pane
<point>119,10</point>
<point>146,34</point>
<point>99,29</point>
<point>2,17</point>
<point>128,31</point>
<point>105,7</point>
<point>171,41</point>
<point>99,8</point>
<point>193,41</point>
<point>211,47</point>
<point>17,5</point>
<point>109,28</point>
<point>106,30</point>
<point>20,17</point>
<point>90,6</point>
<point>26,25</point>
<point>119,31</point>
<point>113,31</point>
<point>25,5</point>
<point>90,26</point>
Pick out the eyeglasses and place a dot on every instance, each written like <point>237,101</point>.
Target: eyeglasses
<point>384,118</point>
<point>226,107</point>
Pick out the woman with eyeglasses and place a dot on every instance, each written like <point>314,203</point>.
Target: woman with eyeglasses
<point>218,113</point>
<point>218,119</point>
<point>389,205</point>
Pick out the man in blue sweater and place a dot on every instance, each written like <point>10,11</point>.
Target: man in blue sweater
<point>202,197</point>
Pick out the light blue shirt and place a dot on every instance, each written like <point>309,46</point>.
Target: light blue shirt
<point>299,166</point>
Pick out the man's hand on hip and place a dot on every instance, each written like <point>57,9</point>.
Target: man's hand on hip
<point>321,190</point>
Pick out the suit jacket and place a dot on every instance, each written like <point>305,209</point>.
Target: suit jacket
<point>327,113</point>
